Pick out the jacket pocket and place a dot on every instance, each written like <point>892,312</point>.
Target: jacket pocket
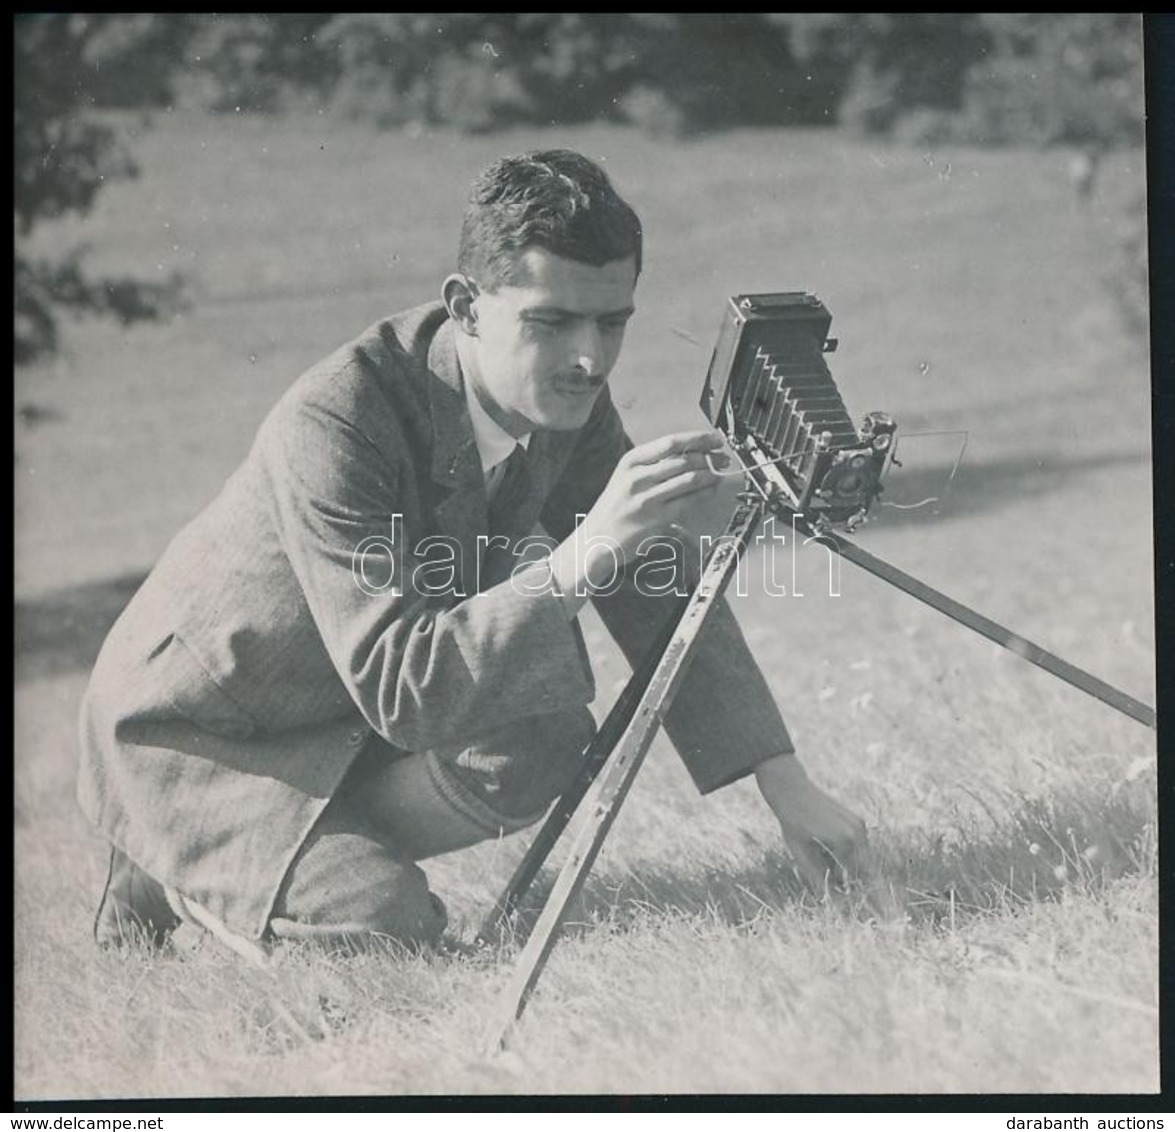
<point>189,691</point>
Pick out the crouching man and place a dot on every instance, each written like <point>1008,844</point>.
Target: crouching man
<point>291,713</point>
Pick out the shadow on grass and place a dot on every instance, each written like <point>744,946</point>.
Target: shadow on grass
<point>980,487</point>
<point>1035,849</point>
<point>61,632</point>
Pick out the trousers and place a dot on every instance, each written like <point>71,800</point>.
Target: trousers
<point>356,875</point>
<point>356,878</point>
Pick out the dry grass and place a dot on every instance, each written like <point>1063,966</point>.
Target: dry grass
<point>966,291</point>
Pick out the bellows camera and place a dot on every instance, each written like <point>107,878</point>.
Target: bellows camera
<point>770,391</point>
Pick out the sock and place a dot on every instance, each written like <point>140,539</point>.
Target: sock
<point>412,799</point>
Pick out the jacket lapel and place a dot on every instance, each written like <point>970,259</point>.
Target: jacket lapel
<point>461,513</point>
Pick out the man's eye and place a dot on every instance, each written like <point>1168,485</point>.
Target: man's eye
<point>613,325</point>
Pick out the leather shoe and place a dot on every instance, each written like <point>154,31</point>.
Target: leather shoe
<point>133,907</point>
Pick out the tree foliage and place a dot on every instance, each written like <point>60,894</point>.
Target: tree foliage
<point>1052,79</point>
<point>994,78</point>
<point>62,158</point>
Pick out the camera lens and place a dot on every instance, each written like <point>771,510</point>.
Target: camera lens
<point>854,479</point>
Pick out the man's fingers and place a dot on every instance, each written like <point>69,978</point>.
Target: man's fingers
<point>680,486</point>
<point>817,870</point>
<point>649,475</point>
<point>676,443</point>
<point>829,866</point>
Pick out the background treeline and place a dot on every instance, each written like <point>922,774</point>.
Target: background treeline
<point>987,79</point>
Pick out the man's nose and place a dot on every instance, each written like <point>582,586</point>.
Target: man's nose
<point>587,348</point>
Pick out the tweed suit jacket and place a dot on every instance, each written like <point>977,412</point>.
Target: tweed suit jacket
<point>249,670</point>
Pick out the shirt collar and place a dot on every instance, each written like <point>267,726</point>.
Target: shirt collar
<point>494,443</point>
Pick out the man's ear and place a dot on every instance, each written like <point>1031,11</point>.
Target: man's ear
<point>459,293</point>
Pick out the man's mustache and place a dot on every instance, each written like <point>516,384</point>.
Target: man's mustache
<point>579,380</point>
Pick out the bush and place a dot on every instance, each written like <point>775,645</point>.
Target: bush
<point>907,65</point>
<point>1049,79</point>
<point>255,63</point>
<point>478,71</point>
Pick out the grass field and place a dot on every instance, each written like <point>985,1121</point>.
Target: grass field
<point>1013,944</point>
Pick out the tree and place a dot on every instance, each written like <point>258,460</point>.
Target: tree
<point>63,156</point>
<point>881,68</point>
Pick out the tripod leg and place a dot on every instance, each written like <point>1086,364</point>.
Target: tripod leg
<point>595,755</point>
<point>992,630</point>
<point>625,760</point>
<point>767,479</point>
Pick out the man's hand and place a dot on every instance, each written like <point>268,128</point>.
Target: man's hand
<point>652,487</point>
<point>654,484</point>
<point>826,839</point>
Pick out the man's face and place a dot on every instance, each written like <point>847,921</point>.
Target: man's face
<point>546,343</point>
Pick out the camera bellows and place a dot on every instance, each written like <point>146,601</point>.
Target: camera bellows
<point>773,395</point>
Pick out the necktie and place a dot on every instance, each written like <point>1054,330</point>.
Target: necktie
<point>507,495</point>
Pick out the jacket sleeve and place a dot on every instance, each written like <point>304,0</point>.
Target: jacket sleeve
<point>724,720</point>
<point>425,669</point>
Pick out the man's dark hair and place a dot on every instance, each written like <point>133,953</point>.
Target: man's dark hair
<point>554,199</point>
